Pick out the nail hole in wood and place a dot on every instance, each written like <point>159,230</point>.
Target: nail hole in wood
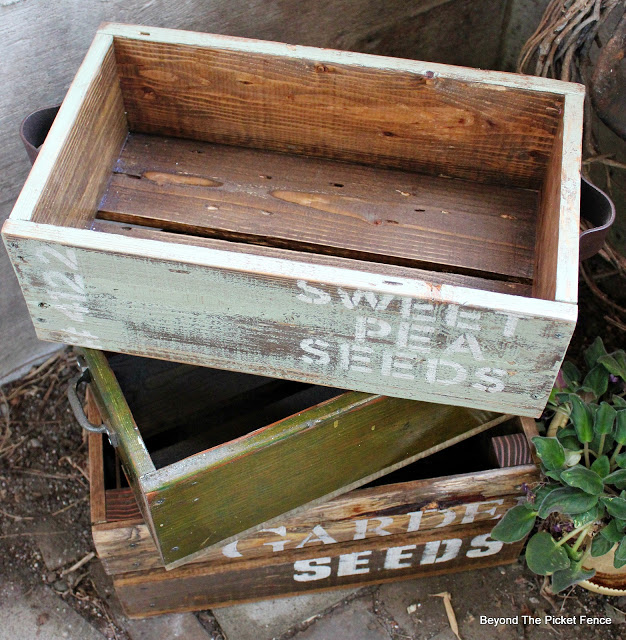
<point>337,184</point>
<point>144,33</point>
<point>420,210</point>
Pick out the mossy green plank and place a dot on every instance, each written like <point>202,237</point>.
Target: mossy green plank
<point>330,449</point>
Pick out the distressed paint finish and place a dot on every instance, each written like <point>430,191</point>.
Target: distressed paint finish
<point>341,566</point>
<point>294,319</point>
<point>379,534</point>
<point>362,514</point>
<point>316,454</point>
<point>313,456</point>
<point>294,315</point>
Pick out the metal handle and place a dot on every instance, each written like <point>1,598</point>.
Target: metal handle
<point>77,407</point>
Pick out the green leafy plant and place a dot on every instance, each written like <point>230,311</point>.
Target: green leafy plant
<point>579,508</point>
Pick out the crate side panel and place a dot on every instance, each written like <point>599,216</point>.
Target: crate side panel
<point>330,453</point>
<point>359,515</point>
<point>80,173</point>
<point>285,326</point>
<point>556,256</point>
<point>348,565</point>
<point>417,121</point>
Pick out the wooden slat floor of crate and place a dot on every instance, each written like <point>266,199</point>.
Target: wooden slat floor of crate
<point>409,524</point>
<point>324,206</point>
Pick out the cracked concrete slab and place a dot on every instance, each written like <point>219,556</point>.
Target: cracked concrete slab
<point>40,614</point>
<point>269,618</point>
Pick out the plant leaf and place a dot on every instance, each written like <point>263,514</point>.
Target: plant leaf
<point>620,554</point>
<point>582,519</point>
<point>618,402</point>
<point>611,532</point>
<point>620,459</point>
<point>567,500</point>
<point>515,525</point>
<point>604,419</point>
<point>566,432</point>
<point>567,577</point>
<point>570,373</point>
<point>594,351</point>
<point>600,545</point>
<point>615,506</point>
<point>620,427</point>
<point>601,466</point>
<point>597,381</point>
<point>544,556</point>
<point>572,457</point>
<point>550,452</point>
<point>614,364</point>
<point>581,418</point>
<point>586,479</point>
<point>617,478</point>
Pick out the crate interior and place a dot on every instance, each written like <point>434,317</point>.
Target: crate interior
<point>411,170</point>
<point>182,410</point>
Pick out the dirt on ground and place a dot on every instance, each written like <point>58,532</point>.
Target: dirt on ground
<point>44,501</point>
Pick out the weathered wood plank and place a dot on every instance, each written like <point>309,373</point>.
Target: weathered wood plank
<point>293,464</point>
<point>89,131</point>
<point>96,475</point>
<point>291,98</point>
<point>292,319</point>
<point>343,565</point>
<point>416,120</point>
<point>125,544</point>
<point>322,206</point>
<point>361,514</point>
<point>556,276</point>
<point>437,278</point>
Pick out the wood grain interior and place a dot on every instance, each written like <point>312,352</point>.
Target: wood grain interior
<point>83,167</point>
<point>387,118</point>
<point>546,258</point>
<point>324,206</point>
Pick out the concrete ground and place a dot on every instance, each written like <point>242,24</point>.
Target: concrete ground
<point>393,611</point>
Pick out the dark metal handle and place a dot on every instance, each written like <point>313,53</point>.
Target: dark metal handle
<point>598,209</point>
<point>34,129</point>
<point>77,407</point>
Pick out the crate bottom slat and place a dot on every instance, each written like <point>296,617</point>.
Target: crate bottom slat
<point>323,206</point>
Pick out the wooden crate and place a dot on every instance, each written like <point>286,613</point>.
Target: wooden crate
<point>402,528</point>
<point>388,226</point>
<point>211,454</point>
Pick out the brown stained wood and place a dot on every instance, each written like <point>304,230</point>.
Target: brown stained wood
<point>322,206</point>
<point>83,166</point>
<point>197,587</point>
<point>387,508</point>
<point>546,259</point>
<point>99,512</point>
<point>436,278</point>
<point>415,121</point>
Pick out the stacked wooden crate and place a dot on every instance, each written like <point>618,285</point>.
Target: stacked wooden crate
<point>330,220</point>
